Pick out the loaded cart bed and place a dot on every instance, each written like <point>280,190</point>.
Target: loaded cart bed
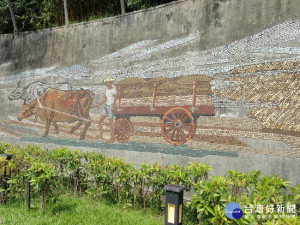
<point>178,123</point>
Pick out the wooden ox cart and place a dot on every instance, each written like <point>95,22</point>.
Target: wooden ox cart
<point>178,122</point>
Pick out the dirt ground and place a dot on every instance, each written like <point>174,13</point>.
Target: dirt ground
<point>213,133</point>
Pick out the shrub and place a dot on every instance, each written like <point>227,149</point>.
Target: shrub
<point>114,180</point>
<point>43,177</point>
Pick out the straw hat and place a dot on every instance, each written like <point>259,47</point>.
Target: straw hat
<point>109,78</point>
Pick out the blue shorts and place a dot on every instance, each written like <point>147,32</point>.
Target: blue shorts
<point>107,111</point>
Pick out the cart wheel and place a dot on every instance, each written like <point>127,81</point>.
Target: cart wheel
<point>123,130</point>
<point>177,126</point>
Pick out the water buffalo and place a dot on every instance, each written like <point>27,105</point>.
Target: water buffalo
<point>30,92</point>
<point>60,106</point>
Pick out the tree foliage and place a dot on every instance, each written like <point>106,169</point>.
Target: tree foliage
<point>40,14</point>
<point>31,15</point>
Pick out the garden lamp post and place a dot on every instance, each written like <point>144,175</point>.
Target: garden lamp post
<point>28,191</point>
<point>174,204</point>
<point>5,174</point>
<point>6,170</point>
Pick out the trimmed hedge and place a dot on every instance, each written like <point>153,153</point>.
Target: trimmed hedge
<point>54,172</point>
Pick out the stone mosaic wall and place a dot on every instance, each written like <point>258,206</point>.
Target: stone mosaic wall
<point>246,98</point>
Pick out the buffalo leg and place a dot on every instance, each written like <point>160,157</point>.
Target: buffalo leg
<point>56,131</point>
<point>49,121</point>
<point>80,122</point>
<point>35,118</point>
<point>83,133</point>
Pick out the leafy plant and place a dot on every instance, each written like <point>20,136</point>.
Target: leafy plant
<point>70,166</point>
<point>111,179</point>
<point>99,170</point>
<point>43,177</point>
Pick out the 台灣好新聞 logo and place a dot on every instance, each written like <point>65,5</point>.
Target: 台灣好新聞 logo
<point>233,210</point>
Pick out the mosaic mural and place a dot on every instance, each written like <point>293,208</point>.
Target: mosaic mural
<point>240,97</point>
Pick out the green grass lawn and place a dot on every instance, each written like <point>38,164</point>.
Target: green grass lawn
<point>72,210</point>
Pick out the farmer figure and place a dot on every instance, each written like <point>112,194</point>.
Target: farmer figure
<point>109,106</point>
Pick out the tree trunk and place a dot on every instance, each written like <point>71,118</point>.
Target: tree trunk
<point>122,7</point>
<point>66,12</point>
<point>44,197</point>
<point>12,16</point>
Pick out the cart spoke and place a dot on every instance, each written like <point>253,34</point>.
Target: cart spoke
<point>120,124</point>
<point>177,136</point>
<point>120,128</point>
<point>118,135</point>
<point>169,119</point>
<point>170,129</point>
<point>182,135</point>
<point>125,137</point>
<point>187,124</point>
<point>127,133</point>
<point>187,128</point>
<point>117,126</point>
<point>173,114</point>
<point>182,113</point>
<point>184,118</point>
<point>172,135</point>
<point>122,137</point>
<point>177,114</point>
<point>125,125</point>
<point>168,124</point>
